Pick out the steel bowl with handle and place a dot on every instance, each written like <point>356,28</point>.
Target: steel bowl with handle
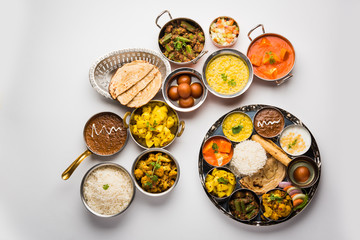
<point>177,130</point>
<point>162,31</point>
<point>288,75</point>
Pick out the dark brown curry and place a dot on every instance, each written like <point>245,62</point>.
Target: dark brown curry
<point>105,134</point>
<point>182,41</point>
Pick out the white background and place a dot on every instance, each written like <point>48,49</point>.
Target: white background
<point>46,51</point>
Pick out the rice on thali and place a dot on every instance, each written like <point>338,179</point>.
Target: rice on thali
<point>249,156</point>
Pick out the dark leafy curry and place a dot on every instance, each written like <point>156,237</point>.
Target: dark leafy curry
<point>182,41</point>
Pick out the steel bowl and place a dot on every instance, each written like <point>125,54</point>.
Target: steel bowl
<point>170,81</point>
<point>257,200</point>
<point>220,199</point>
<point>262,208</point>
<point>288,75</point>
<point>234,112</point>
<point>162,30</point>
<point>233,52</point>
<point>69,171</point>
<point>103,69</point>
<point>177,129</point>
<point>269,122</point>
<point>144,154</point>
<point>235,39</point>
<point>308,163</point>
<point>308,137</point>
<point>209,139</point>
<point>87,175</point>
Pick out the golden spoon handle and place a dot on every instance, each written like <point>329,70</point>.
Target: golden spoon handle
<point>67,173</point>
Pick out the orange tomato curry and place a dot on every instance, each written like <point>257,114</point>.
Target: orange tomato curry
<point>272,57</point>
<point>217,151</point>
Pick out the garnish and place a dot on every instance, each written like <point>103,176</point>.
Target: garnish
<point>274,197</point>
<point>232,83</point>
<point>224,77</point>
<point>237,129</point>
<point>223,180</point>
<point>271,57</point>
<point>292,144</point>
<point>105,186</point>
<point>215,147</point>
<point>156,165</point>
<point>151,127</point>
<point>178,44</point>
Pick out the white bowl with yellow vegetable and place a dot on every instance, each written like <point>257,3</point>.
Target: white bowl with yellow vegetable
<point>220,182</point>
<point>154,125</point>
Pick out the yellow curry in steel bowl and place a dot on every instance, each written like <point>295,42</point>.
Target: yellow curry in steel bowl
<point>227,73</point>
<point>237,126</point>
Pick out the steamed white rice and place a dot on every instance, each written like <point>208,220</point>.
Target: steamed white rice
<point>249,157</point>
<point>108,190</point>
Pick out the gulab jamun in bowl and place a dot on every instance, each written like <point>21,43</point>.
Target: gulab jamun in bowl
<point>184,90</point>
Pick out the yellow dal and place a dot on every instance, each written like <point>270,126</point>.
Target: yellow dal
<point>233,67</point>
<point>234,120</point>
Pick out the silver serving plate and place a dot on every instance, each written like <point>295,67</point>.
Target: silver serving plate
<point>104,68</point>
<point>250,110</point>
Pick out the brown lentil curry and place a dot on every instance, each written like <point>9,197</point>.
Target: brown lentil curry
<point>105,134</point>
<point>269,122</point>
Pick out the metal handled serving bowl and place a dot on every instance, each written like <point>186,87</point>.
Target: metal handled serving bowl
<point>162,32</point>
<point>288,75</point>
<point>177,129</point>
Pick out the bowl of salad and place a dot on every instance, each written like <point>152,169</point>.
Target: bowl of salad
<point>224,31</point>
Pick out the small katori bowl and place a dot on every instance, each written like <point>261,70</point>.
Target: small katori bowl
<point>227,181</point>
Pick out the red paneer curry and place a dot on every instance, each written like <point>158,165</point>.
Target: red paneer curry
<point>217,151</point>
<point>272,57</point>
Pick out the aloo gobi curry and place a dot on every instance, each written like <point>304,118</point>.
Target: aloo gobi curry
<point>156,172</point>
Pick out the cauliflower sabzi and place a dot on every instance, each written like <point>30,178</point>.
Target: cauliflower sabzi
<point>156,173</point>
<point>153,125</point>
<point>277,204</point>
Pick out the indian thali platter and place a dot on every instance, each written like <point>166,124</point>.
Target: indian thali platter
<point>254,179</point>
<point>258,164</point>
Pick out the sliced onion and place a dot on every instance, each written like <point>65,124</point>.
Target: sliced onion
<point>294,191</point>
<point>297,196</point>
<point>284,184</point>
<point>291,189</point>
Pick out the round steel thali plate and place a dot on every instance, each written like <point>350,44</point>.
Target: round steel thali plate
<point>204,168</point>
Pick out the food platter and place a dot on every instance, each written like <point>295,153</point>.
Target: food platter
<point>258,164</point>
<point>204,167</point>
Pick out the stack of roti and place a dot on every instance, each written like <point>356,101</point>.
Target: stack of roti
<point>135,83</point>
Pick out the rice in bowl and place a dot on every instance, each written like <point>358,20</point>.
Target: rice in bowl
<point>249,157</point>
<point>107,190</point>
